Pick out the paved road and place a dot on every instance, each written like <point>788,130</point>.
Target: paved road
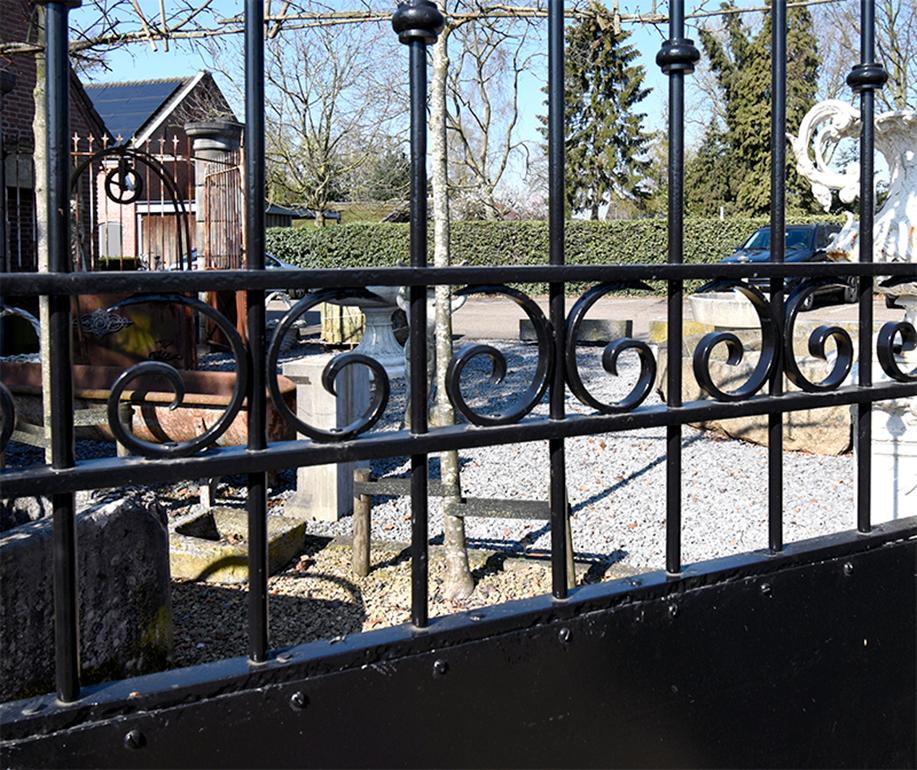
<point>499,319</point>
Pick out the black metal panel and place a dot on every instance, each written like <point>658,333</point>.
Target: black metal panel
<point>797,660</point>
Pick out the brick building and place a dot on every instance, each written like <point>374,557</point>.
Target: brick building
<point>18,111</point>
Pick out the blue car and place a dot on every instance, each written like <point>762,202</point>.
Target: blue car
<point>804,243</point>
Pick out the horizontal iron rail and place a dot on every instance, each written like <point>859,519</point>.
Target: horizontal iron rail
<point>225,461</point>
<point>154,693</point>
<point>27,284</point>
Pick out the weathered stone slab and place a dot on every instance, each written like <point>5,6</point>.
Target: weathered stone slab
<point>124,599</point>
<point>213,546</point>
<point>591,330</point>
<point>817,431</point>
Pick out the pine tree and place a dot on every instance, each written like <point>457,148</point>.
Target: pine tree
<point>606,145</point>
<point>707,175</point>
<point>742,65</point>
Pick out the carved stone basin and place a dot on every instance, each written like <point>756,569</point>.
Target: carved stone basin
<point>206,397</point>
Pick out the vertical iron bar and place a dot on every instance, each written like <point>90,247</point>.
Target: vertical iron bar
<point>66,617</point>
<point>778,253</point>
<point>676,58</point>
<point>417,23</point>
<point>255,318</point>
<point>865,78</point>
<point>418,301</point>
<point>556,298</point>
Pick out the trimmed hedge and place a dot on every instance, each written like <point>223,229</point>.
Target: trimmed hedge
<point>516,243</point>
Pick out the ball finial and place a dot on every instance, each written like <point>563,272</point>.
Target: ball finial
<point>417,20</point>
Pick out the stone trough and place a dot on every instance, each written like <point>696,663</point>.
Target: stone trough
<point>212,546</point>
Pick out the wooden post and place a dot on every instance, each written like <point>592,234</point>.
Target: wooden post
<point>571,574</point>
<point>362,505</point>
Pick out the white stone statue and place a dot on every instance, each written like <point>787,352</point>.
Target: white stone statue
<point>894,422</point>
<point>895,230</point>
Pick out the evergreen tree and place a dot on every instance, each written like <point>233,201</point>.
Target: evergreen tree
<point>606,145</point>
<point>707,177</point>
<point>742,65</point>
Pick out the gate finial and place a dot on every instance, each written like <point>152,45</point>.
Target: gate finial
<point>417,20</point>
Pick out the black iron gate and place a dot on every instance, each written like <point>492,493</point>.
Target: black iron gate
<point>800,654</point>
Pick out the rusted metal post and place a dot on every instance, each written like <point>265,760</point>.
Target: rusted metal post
<point>362,504</point>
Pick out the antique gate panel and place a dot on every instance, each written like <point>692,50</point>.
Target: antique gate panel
<point>803,654</point>
<point>714,669</point>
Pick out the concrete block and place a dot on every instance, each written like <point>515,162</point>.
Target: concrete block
<point>325,492</point>
<point>124,600</point>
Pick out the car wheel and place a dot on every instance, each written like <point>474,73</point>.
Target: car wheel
<point>851,292</point>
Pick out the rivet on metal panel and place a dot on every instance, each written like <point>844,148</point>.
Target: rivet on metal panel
<point>134,740</point>
<point>673,610</point>
<point>298,700</point>
<point>440,668</point>
<point>848,568</point>
<point>564,635</point>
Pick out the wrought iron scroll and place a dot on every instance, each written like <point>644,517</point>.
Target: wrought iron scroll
<point>887,346</point>
<point>817,343</point>
<point>736,350</point>
<point>381,386</point>
<point>171,374</point>
<point>543,369</point>
<point>610,355</point>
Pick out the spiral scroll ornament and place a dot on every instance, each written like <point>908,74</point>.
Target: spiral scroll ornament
<point>766,361</point>
<point>173,377</point>
<point>888,346</point>
<point>381,386</point>
<point>610,355</point>
<point>843,361</point>
<point>543,369</point>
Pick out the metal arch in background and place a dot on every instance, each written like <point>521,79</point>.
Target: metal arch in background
<point>118,191</point>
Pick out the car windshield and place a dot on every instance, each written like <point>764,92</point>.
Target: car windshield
<point>794,239</point>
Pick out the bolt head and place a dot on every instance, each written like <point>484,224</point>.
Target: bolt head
<point>134,740</point>
<point>564,635</point>
<point>298,701</point>
<point>848,568</point>
<point>440,668</point>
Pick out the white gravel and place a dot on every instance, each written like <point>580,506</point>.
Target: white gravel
<point>616,482</point>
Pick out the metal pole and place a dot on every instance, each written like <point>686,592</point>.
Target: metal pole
<point>418,23</point>
<point>778,253</point>
<point>676,58</point>
<point>255,320</point>
<point>865,78</point>
<point>556,297</point>
<point>66,617</point>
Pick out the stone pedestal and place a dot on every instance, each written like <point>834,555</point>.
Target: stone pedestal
<point>325,492</point>
<point>894,444</point>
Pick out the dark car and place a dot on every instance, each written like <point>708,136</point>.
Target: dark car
<point>804,243</point>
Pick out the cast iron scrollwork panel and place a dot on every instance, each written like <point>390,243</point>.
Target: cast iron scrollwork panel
<point>736,350</point>
<point>888,345</point>
<point>381,387</point>
<point>817,341</point>
<point>610,355</point>
<point>543,369</point>
<point>171,374</point>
